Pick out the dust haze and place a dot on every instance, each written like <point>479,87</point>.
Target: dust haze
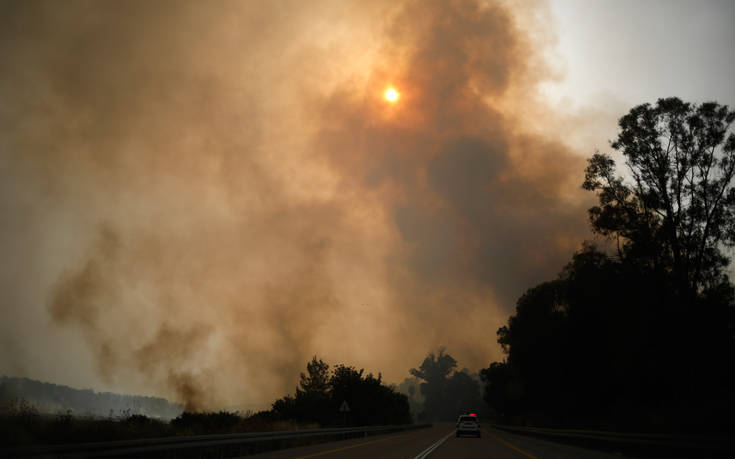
<point>198,197</point>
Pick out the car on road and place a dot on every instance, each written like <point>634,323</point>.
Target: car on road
<point>468,424</point>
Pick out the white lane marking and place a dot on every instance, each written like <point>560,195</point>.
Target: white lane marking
<point>431,448</point>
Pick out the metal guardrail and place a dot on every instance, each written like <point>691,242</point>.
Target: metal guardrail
<point>195,445</point>
<point>650,445</point>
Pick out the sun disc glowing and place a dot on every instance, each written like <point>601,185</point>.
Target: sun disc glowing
<point>391,95</point>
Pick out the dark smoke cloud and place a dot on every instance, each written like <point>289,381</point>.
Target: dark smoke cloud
<point>204,196</point>
<point>474,199</point>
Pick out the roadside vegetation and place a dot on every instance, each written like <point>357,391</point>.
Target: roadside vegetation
<point>316,403</point>
<point>22,424</point>
<point>445,391</point>
<point>321,393</point>
<point>638,330</point>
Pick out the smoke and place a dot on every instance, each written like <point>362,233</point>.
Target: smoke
<point>204,196</point>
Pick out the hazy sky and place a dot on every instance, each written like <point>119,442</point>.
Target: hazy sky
<point>637,51</point>
<point>197,197</point>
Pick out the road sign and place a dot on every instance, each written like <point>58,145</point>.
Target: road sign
<point>344,407</point>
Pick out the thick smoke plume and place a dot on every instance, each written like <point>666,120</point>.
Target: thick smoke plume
<point>197,197</point>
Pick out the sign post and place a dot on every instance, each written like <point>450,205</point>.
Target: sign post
<point>344,408</point>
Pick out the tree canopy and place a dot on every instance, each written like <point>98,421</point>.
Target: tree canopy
<point>321,393</point>
<point>316,380</point>
<point>676,207</point>
<point>447,393</point>
<point>642,336</point>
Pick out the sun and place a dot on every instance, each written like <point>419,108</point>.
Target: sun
<point>391,95</point>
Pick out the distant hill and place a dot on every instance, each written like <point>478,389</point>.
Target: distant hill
<point>54,398</point>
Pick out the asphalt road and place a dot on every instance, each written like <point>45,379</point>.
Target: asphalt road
<point>410,445</point>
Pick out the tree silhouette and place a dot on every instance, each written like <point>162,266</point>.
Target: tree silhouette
<point>677,208</point>
<point>435,368</point>
<point>447,393</point>
<point>316,381</point>
<point>320,394</point>
<point>644,339</point>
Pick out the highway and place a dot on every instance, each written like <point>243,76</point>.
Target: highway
<point>418,444</point>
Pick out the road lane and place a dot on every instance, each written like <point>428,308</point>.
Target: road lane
<point>404,445</point>
<point>502,445</point>
<point>494,444</point>
<point>485,446</point>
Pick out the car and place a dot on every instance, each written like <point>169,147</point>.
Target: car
<point>468,424</point>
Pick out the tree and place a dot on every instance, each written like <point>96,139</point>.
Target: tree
<point>447,393</point>
<point>345,381</point>
<point>411,388</point>
<point>645,339</point>
<point>464,393</point>
<point>320,394</point>
<point>370,401</point>
<point>676,210</point>
<point>316,381</point>
<point>499,394</point>
<point>584,348</point>
<point>435,368</point>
